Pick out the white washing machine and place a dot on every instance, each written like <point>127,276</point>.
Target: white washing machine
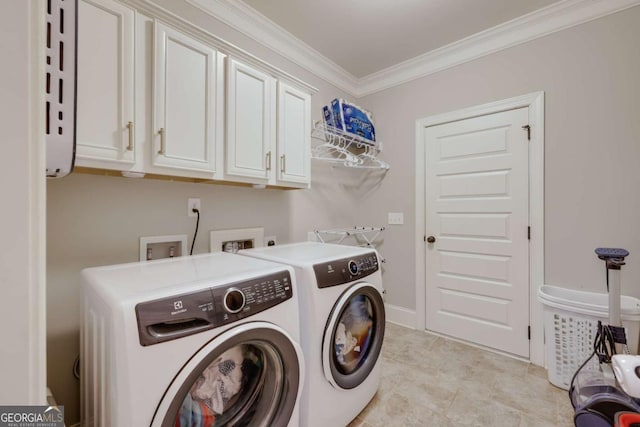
<point>192,341</point>
<point>342,323</point>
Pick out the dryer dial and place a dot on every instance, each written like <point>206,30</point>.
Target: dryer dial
<point>353,267</point>
<point>234,300</point>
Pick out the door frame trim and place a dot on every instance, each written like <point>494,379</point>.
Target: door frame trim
<point>535,102</point>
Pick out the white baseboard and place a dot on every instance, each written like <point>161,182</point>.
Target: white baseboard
<point>401,316</point>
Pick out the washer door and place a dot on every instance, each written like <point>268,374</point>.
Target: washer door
<point>247,376</point>
<point>353,336</point>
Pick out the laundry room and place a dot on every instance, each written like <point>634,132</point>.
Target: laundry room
<point>555,80</point>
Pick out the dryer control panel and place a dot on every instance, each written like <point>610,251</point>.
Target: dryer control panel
<point>186,314</point>
<point>345,270</point>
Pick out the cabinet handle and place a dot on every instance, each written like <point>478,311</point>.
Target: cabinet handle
<point>131,136</point>
<point>283,167</point>
<point>268,159</point>
<point>162,142</point>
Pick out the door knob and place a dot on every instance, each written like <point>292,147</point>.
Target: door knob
<point>431,239</point>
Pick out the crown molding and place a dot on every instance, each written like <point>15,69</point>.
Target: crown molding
<point>154,11</point>
<point>256,26</point>
<point>555,17</point>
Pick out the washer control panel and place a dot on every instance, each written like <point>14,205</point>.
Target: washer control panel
<point>345,270</point>
<point>186,314</point>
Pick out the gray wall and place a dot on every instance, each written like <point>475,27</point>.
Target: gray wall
<point>591,78</point>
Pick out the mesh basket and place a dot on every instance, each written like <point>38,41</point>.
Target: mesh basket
<point>573,337</point>
<point>570,325</point>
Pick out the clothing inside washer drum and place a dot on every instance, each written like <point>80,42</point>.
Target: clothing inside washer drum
<point>225,390</point>
<point>353,334</point>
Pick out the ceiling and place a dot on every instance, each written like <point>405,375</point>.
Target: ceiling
<point>366,36</point>
<point>365,46</point>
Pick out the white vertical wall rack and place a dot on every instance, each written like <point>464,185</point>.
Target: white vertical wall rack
<point>343,148</point>
<point>365,236</point>
<point>60,96</point>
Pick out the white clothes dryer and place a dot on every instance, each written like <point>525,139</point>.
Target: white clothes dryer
<point>198,341</point>
<point>342,324</point>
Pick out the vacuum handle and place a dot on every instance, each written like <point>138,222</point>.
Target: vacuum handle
<point>612,253</point>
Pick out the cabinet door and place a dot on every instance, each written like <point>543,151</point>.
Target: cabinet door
<point>250,106</point>
<point>294,136</point>
<point>187,98</point>
<point>105,95</point>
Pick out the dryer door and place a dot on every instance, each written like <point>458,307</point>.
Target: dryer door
<point>353,336</point>
<point>248,376</point>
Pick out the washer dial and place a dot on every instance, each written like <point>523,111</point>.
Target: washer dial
<point>234,300</point>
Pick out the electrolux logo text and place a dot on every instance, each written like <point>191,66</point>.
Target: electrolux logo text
<point>31,416</point>
<point>178,307</point>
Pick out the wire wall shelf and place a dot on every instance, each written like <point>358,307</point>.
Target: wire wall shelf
<point>346,149</point>
<point>364,236</point>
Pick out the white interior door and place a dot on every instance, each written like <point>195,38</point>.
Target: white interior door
<point>477,213</point>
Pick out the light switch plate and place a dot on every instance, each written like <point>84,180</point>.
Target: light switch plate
<point>396,218</point>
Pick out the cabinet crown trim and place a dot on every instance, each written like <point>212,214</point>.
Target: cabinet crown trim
<point>155,11</point>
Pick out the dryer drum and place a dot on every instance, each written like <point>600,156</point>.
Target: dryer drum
<point>358,323</point>
<point>250,380</point>
<point>353,335</point>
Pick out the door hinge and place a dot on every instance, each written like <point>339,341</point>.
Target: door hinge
<point>529,233</point>
<point>528,129</point>
<point>529,332</point>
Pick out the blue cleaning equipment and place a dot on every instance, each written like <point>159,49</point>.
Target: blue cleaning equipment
<point>596,396</point>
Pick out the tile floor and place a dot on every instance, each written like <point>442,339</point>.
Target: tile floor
<point>431,381</point>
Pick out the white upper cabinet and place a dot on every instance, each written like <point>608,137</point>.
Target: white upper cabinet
<point>167,100</point>
<point>294,136</point>
<point>268,129</point>
<point>250,123</point>
<point>105,95</point>
<point>187,104</point>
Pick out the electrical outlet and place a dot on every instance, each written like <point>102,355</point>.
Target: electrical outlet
<point>396,218</point>
<point>191,205</point>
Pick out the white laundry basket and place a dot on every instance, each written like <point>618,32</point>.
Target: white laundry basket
<point>570,324</point>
